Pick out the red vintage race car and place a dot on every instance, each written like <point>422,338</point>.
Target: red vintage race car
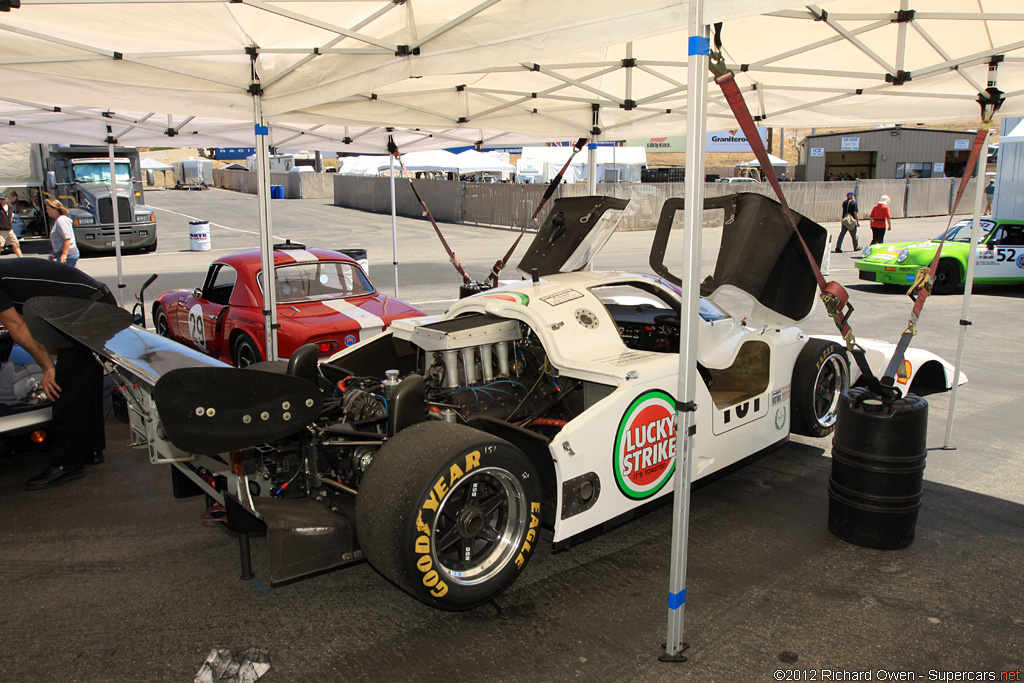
<point>323,297</point>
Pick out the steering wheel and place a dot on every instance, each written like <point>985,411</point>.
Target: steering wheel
<point>668,320</point>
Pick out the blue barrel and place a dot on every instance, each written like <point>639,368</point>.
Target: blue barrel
<point>277,191</point>
<point>878,460</point>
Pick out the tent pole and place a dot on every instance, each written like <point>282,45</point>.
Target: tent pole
<point>117,223</point>
<point>592,167</point>
<point>394,224</point>
<point>693,217</point>
<point>266,232</point>
<point>965,310</point>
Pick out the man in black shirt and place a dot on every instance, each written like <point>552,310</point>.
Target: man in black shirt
<point>76,384</point>
<point>850,222</point>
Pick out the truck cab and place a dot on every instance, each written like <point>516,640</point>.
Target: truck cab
<point>80,178</point>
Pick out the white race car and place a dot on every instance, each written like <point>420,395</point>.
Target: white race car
<point>438,449</point>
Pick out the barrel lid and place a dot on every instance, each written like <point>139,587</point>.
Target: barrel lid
<point>199,222</point>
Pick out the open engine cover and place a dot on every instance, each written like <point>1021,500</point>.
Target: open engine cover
<point>759,255</point>
<point>572,234</point>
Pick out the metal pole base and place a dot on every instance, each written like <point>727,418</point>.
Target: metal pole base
<point>243,551</point>
<point>677,657</point>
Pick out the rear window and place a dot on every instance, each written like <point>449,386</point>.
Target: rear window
<point>317,281</point>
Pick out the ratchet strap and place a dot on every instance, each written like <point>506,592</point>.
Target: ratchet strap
<point>833,295</point>
<point>552,186</point>
<point>393,150</point>
<point>925,278</point>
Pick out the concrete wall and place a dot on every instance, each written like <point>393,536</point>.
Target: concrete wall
<point>512,204</point>
<point>296,185</point>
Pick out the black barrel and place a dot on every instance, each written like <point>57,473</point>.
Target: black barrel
<point>878,459</point>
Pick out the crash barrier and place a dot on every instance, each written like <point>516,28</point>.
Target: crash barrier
<point>444,198</point>
<point>296,185</point>
<point>358,255</point>
<point>512,204</point>
<point>878,460</point>
<point>199,235</point>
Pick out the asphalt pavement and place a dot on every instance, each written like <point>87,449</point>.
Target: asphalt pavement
<point>109,578</point>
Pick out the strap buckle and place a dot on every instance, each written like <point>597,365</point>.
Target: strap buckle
<point>922,281</point>
<point>836,299</point>
<point>716,64</point>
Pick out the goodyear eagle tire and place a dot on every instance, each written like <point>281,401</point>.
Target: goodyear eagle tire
<point>821,375</point>
<point>449,513</point>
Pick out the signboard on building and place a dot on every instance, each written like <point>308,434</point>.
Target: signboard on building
<point>817,151</point>
<point>676,143</point>
<point>221,153</point>
<point>961,144</point>
<point>721,141</point>
<point>732,140</point>
<point>851,144</point>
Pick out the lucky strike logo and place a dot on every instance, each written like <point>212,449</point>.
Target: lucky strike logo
<point>645,446</point>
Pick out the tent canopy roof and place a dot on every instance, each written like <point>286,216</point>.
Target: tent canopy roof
<point>154,165</point>
<point>335,62</point>
<point>772,159</point>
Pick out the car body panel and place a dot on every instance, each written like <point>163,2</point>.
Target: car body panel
<point>23,405</point>
<point>999,258</point>
<point>229,305</point>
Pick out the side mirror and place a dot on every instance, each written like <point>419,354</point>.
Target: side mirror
<point>196,293</point>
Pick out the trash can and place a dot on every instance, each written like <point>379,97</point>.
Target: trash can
<point>358,255</point>
<point>878,460</point>
<point>199,235</point>
<point>277,191</point>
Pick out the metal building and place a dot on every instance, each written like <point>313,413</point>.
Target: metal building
<point>889,152</point>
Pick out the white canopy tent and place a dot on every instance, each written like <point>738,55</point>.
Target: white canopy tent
<point>472,161</point>
<point>433,160</point>
<point>370,165</point>
<point>772,159</point>
<point>154,165</point>
<point>594,69</point>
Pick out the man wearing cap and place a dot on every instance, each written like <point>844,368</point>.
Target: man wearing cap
<point>7,235</point>
<point>76,384</point>
<point>850,223</point>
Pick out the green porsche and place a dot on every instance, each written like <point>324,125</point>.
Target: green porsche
<point>999,260</point>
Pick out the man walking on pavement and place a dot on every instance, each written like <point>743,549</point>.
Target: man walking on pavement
<point>76,384</point>
<point>850,223</point>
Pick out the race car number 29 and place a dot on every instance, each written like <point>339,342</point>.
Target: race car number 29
<point>196,328</point>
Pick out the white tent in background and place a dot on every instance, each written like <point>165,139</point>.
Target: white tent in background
<point>541,164</point>
<point>362,165</point>
<point>775,161</point>
<point>148,164</point>
<point>433,160</point>
<point>472,161</point>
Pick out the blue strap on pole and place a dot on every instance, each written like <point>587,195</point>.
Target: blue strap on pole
<point>677,600</point>
<point>262,130</point>
<point>699,45</point>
